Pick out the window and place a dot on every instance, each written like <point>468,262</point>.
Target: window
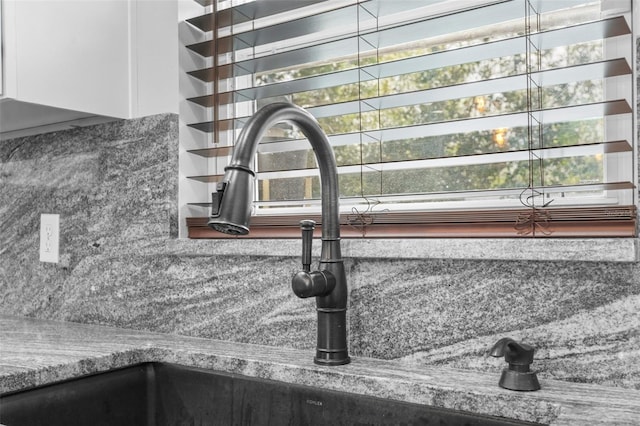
<point>467,118</point>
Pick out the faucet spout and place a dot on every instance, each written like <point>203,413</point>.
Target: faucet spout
<point>231,209</point>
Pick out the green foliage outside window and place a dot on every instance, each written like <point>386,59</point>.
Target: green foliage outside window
<point>367,151</point>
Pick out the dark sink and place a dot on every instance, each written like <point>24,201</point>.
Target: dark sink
<point>170,395</point>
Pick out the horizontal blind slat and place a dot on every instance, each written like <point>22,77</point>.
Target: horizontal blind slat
<point>552,115</point>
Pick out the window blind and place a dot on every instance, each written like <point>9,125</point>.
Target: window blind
<point>467,118</point>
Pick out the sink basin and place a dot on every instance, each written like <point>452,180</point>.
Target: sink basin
<point>165,394</point>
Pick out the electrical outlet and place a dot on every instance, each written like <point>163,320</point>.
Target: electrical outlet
<point>49,238</point>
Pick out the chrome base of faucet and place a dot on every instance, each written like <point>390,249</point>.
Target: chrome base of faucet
<point>332,337</point>
<point>339,357</point>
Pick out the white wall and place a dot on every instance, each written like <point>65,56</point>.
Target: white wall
<point>189,190</point>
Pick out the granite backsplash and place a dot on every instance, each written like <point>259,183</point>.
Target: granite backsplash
<point>115,188</point>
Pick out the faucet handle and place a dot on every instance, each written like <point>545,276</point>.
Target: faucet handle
<point>306,283</point>
<point>519,356</point>
<point>307,226</point>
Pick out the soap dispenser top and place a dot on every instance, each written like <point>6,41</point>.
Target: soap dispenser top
<point>519,356</point>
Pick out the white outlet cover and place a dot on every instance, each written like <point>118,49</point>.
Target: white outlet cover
<point>49,238</point>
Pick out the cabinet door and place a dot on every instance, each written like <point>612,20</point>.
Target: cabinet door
<point>108,58</point>
<point>73,54</point>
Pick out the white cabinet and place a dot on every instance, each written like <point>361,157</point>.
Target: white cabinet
<point>115,58</point>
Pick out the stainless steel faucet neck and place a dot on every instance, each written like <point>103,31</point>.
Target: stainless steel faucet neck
<point>247,145</point>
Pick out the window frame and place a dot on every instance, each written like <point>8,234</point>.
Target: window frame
<point>617,221</point>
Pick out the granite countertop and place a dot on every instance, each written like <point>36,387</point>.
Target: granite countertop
<point>36,352</point>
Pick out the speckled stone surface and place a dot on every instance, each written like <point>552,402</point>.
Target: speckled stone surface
<point>37,352</point>
<point>582,318</point>
<point>114,186</point>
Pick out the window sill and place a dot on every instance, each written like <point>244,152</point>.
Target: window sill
<point>583,250</point>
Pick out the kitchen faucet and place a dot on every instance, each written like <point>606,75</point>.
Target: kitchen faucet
<point>231,208</point>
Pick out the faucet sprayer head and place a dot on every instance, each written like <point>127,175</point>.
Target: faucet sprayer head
<point>231,203</point>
